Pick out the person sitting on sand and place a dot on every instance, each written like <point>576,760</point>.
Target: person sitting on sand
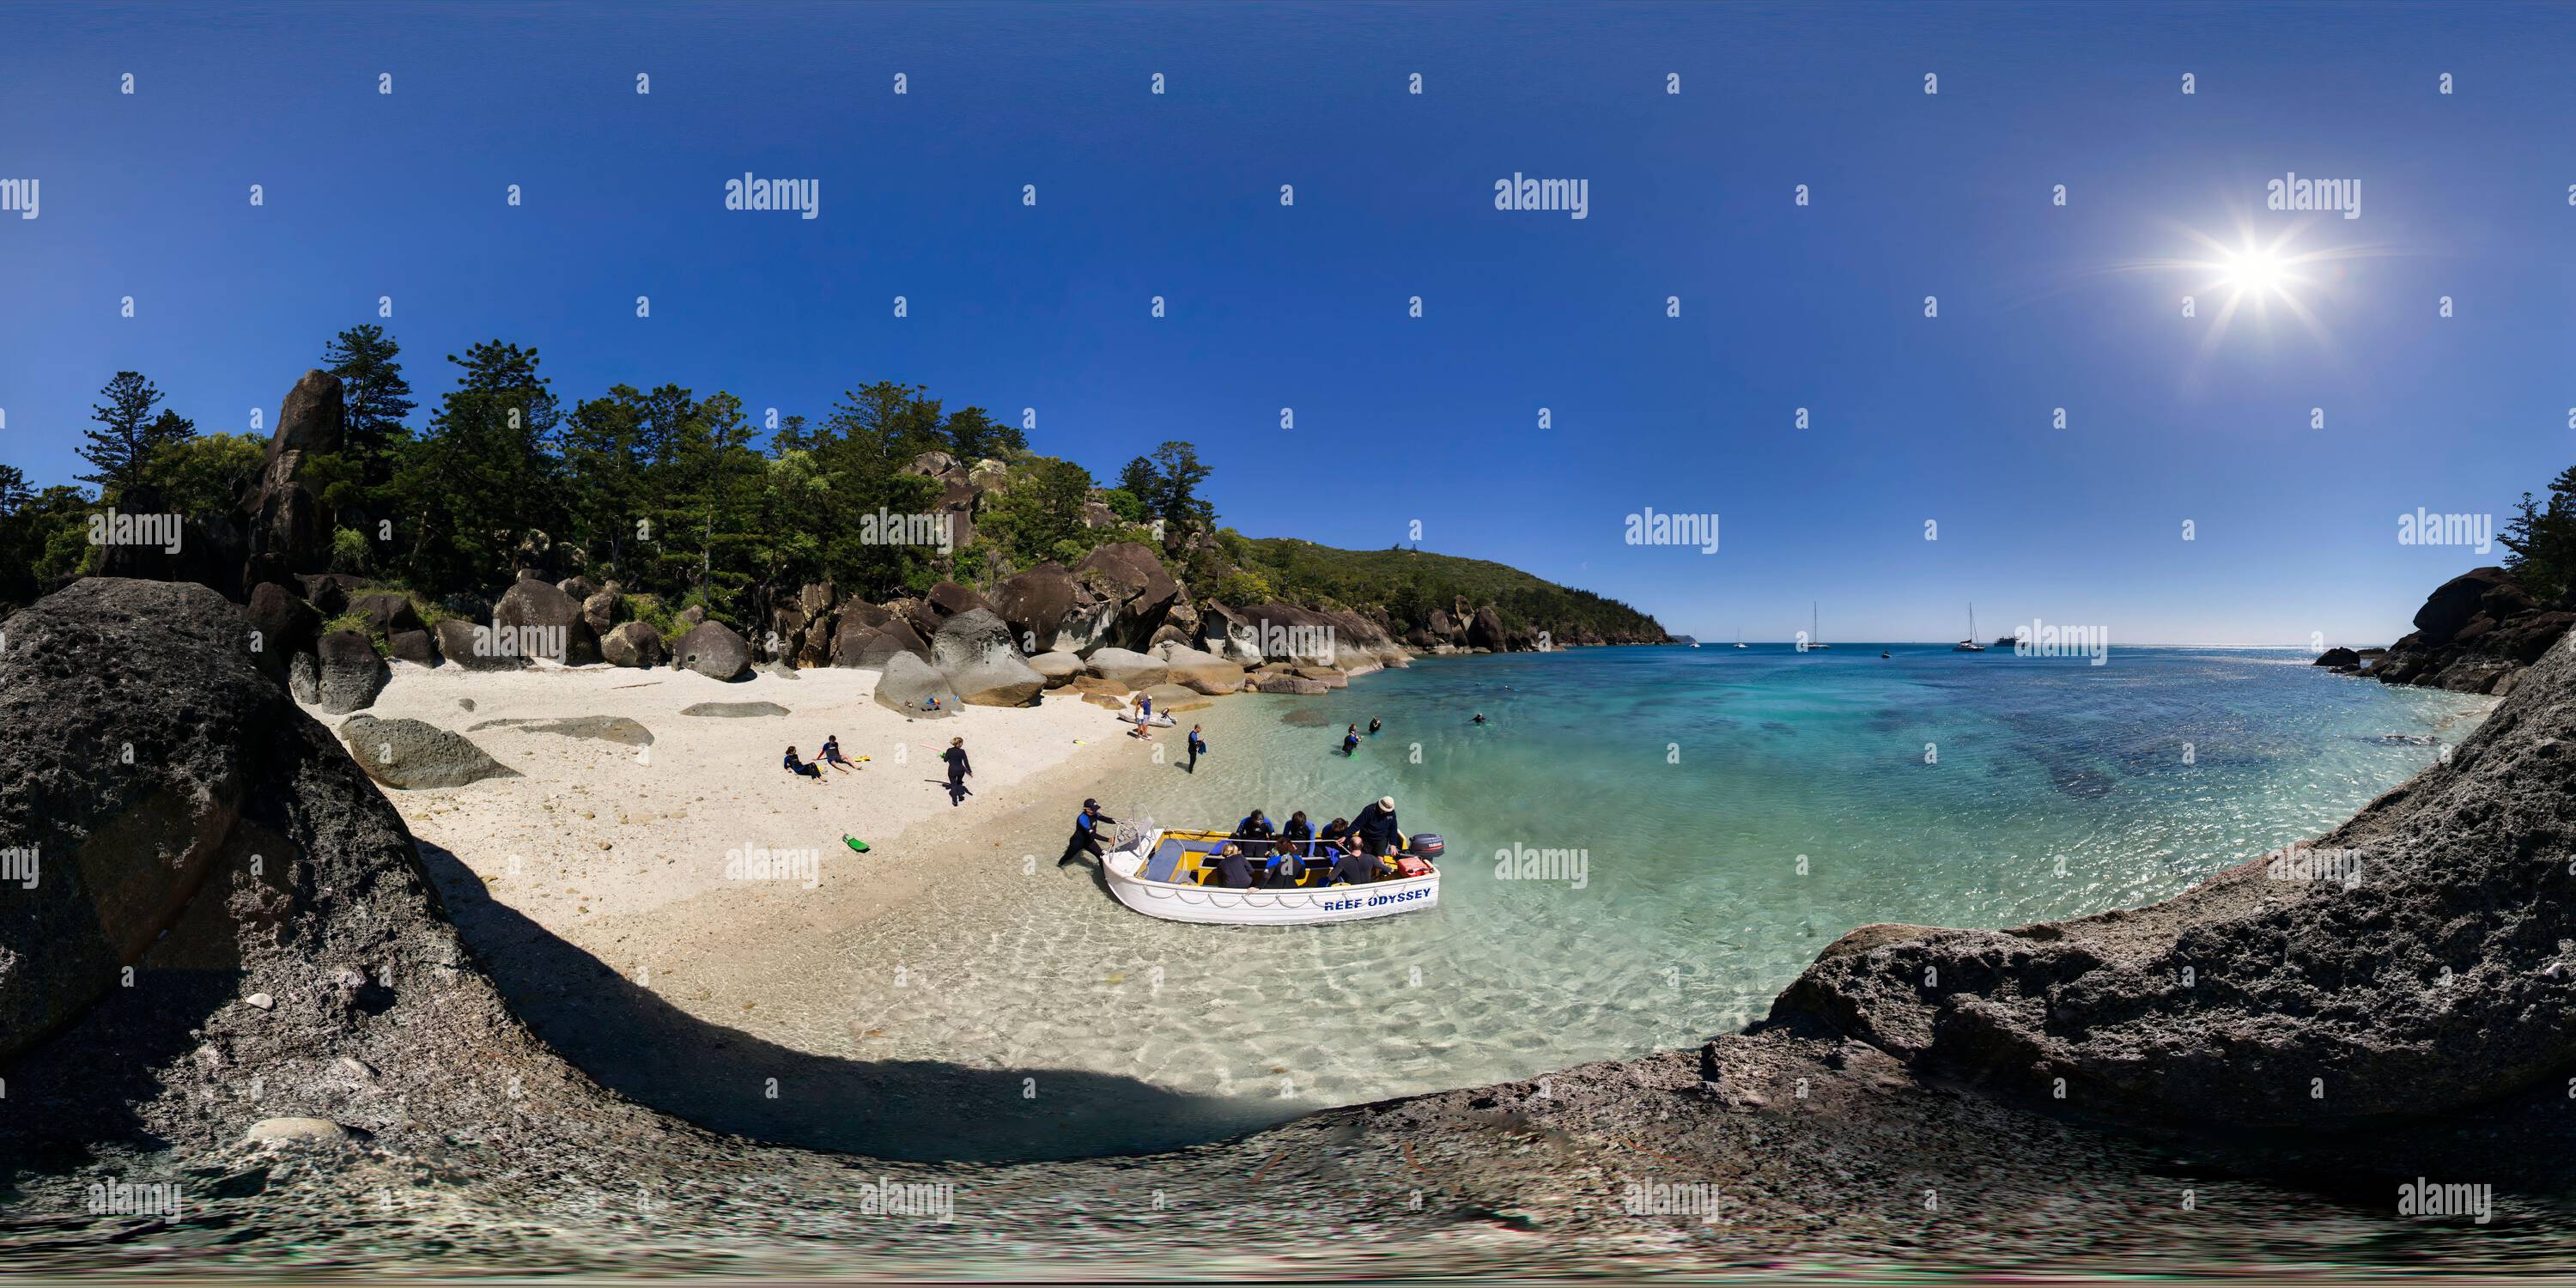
<point>795,766</point>
<point>832,754</point>
<point>1233,871</point>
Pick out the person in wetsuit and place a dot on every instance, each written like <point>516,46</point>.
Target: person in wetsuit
<point>832,754</point>
<point>795,766</point>
<point>958,770</point>
<point>1374,725</point>
<point>1296,846</point>
<point>1376,828</point>
<point>1233,871</point>
<point>1351,741</point>
<point>1197,746</point>
<point>1255,834</point>
<point>1086,834</point>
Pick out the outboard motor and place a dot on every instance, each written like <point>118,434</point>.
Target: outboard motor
<point>1424,845</point>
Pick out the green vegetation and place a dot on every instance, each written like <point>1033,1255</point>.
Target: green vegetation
<point>700,501</point>
<point>1408,584</point>
<point>2542,538</point>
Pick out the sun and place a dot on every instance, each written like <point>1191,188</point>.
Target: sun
<point>2257,273</point>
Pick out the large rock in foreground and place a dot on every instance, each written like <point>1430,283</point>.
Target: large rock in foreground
<point>2417,960</point>
<point>632,644</point>
<point>1132,669</point>
<point>712,649</point>
<point>411,755</point>
<point>2474,634</point>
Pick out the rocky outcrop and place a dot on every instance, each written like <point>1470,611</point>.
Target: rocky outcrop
<point>2474,634</point>
<point>285,526</point>
<point>410,755</point>
<point>632,644</point>
<point>352,673</point>
<point>713,650</point>
<point>1202,672</point>
<point>2393,967</point>
<point>868,636</point>
<point>1134,593</point>
<point>1039,604</point>
<point>1485,630</point>
<point>911,686</point>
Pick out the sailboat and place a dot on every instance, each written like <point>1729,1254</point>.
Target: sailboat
<point>1970,644</point>
<point>1815,637</point>
<point>1739,639</point>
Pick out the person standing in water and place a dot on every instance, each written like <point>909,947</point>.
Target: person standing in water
<point>1197,745</point>
<point>1351,741</point>
<point>958,771</point>
<point>1374,726</point>
<point>1086,835</point>
<point>1480,718</point>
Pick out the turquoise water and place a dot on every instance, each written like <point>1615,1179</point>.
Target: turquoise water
<point>1734,811</point>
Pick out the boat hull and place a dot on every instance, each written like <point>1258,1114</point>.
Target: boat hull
<point>1218,906</point>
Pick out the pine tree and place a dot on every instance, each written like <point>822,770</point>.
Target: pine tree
<point>378,398</point>
<point>123,444</point>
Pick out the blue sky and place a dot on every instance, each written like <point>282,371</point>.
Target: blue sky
<point>1399,419</point>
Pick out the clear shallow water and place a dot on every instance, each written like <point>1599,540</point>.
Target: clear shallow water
<point>1968,790</point>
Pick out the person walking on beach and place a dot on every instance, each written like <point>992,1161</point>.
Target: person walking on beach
<point>1197,745</point>
<point>958,771</point>
<point>1086,835</point>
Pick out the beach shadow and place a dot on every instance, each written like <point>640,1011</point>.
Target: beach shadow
<point>643,1047</point>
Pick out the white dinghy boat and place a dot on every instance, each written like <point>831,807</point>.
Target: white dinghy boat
<point>1169,874</point>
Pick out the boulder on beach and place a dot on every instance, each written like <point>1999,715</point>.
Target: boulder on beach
<point>1172,697</point>
<point>712,649</point>
<point>733,710</point>
<point>2341,659</point>
<point>1137,590</point>
<point>415,647</point>
<point>386,612</point>
<point>632,644</point>
<point>599,611</point>
<point>1089,684</point>
<point>1000,680</point>
<point>281,626</point>
<point>1282,683</point>
<point>971,638</point>
<point>412,754</point>
<point>1204,672</point>
<point>462,643</point>
<point>351,672</point>
<point>1135,670</point>
<point>544,622</point>
<point>618,729</point>
<point>910,684</point>
<point>1059,669</point>
<point>304,678</point>
<point>1049,609</point>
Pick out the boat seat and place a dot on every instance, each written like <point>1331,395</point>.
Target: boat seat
<point>1165,865</point>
